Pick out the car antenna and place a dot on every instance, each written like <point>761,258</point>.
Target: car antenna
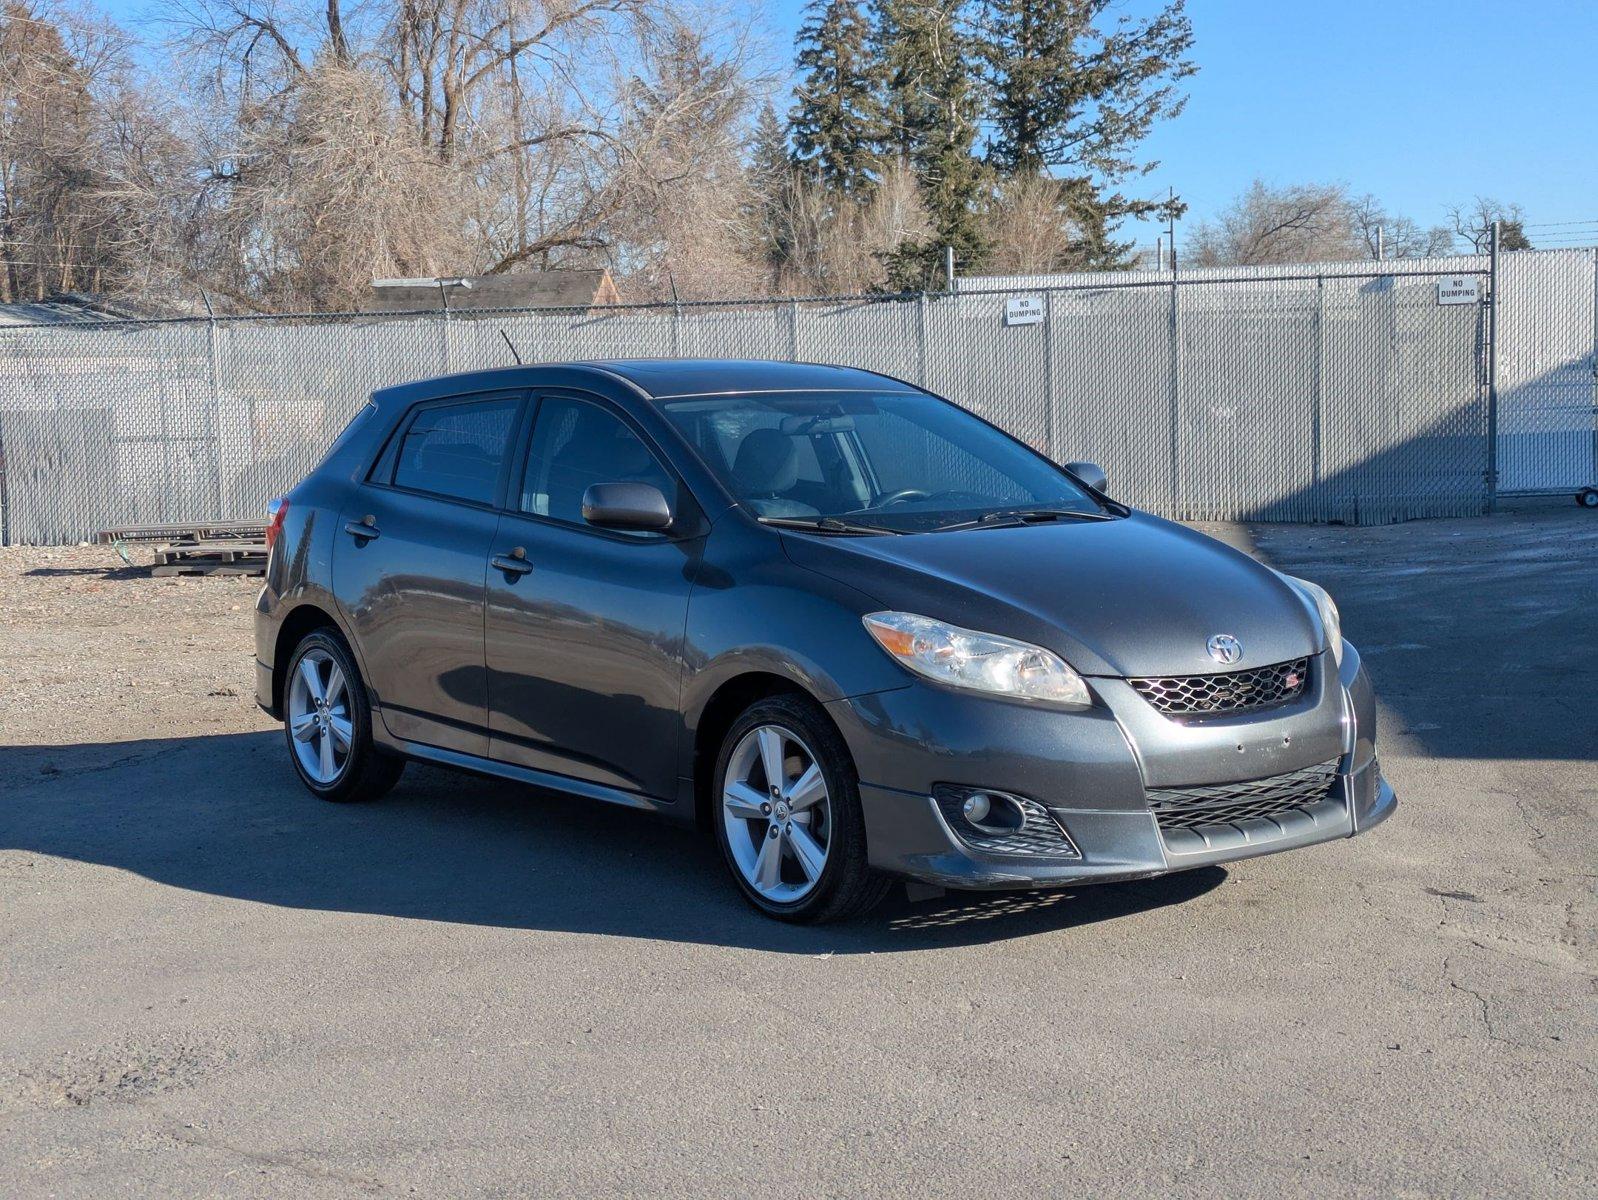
<point>512,346</point>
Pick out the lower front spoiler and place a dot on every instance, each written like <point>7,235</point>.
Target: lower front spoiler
<point>909,839</point>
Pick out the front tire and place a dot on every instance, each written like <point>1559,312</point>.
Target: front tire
<point>327,722</point>
<point>787,815</point>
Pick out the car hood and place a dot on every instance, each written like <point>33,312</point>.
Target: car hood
<point>1130,597</point>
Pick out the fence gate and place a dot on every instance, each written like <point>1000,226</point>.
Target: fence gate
<point>1548,371</point>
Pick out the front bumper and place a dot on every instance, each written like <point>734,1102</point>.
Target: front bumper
<point>1092,769</point>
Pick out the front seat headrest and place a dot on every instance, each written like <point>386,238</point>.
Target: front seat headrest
<point>767,462</point>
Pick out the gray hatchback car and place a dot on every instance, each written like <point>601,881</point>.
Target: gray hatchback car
<point>852,629</point>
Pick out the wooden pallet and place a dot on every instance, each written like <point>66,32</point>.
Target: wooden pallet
<point>216,557</point>
<point>214,531</point>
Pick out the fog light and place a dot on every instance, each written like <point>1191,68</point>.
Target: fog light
<point>1001,823</point>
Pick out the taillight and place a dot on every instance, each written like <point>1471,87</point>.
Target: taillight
<point>276,510</point>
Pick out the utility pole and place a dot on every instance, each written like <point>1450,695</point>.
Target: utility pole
<point>1380,247</point>
<point>1170,224</point>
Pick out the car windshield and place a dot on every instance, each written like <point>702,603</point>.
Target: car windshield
<point>904,462</point>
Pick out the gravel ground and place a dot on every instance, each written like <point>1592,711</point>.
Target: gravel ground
<point>214,985</point>
<point>98,650</point>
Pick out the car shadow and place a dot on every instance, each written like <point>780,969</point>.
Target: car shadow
<point>224,815</point>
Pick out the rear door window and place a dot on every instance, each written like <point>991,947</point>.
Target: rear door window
<point>457,450</point>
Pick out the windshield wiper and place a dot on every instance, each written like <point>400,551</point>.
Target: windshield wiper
<point>1024,516</point>
<point>825,525</point>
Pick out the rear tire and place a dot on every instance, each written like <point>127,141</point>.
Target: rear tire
<point>327,722</point>
<point>1587,497</point>
<point>796,844</point>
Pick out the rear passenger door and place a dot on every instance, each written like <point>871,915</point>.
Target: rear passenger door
<point>409,565</point>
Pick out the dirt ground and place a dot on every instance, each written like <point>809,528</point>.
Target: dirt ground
<point>213,985</point>
<point>98,651</point>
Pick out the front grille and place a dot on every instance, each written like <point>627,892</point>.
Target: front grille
<point>1231,692</point>
<point>1228,803</point>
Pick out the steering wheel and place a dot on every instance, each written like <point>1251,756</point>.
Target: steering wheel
<point>902,495</point>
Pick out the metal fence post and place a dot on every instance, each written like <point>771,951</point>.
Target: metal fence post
<point>213,357</point>
<point>5,500</point>
<point>1318,416</point>
<point>921,337</point>
<point>1048,376</point>
<point>1176,401</point>
<point>1492,375</point>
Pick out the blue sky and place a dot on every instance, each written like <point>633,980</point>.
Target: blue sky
<point>1421,102</point>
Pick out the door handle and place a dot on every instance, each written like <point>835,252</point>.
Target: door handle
<point>363,530</point>
<point>513,564</point>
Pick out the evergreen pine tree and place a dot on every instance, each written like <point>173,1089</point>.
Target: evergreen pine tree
<point>929,121</point>
<point>771,170</point>
<point>836,122</point>
<point>1075,93</point>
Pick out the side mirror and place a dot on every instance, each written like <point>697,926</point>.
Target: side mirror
<point>626,506</point>
<point>1089,473</point>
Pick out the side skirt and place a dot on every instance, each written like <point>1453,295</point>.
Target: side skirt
<point>542,779</point>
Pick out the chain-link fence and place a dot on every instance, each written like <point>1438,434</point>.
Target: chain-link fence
<point>1347,392</point>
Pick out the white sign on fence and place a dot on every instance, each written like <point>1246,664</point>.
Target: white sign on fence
<point>1459,289</point>
<point>1023,310</point>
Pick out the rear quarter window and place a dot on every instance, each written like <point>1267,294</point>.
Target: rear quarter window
<point>456,450</point>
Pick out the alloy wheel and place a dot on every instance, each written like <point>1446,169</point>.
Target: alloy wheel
<point>777,812</point>
<point>319,716</point>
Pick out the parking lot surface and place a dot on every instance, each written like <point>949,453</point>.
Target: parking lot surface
<point>213,984</point>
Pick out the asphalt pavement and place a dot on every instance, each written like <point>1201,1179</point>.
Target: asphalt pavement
<point>213,985</point>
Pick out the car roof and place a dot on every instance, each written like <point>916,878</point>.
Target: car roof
<point>658,378</point>
<point>664,378</point>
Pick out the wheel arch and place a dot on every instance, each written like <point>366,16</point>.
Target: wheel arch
<point>304,619</point>
<point>721,708</point>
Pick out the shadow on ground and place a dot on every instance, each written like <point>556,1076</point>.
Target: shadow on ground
<point>1479,634</point>
<point>224,815</point>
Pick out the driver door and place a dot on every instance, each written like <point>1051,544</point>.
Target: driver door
<point>584,626</point>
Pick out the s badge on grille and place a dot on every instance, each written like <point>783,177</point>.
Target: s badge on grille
<point>1224,648</point>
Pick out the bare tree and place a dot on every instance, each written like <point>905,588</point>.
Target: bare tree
<point>1393,236</point>
<point>52,238</point>
<point>481,136</point>
<point>839,244</point>
<point>1322,222</point>
<point>1473,224</point>
<point>1038,225</point>
<point>1267,224</point>
<point>687,227</point>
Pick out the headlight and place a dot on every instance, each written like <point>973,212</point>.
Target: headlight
<point>1326,608</point>
<point>983,662</point>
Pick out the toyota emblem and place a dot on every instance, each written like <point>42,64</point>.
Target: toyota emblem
<point>1224,648</point>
